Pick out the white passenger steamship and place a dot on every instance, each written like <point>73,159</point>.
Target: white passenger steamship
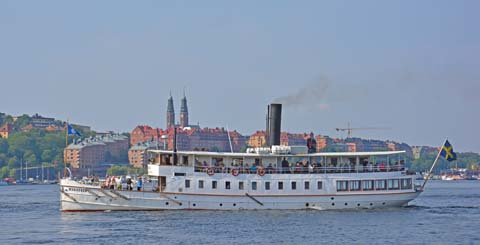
<point>277,177</point>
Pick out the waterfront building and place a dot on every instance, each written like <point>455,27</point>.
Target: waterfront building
<point>91,152</point>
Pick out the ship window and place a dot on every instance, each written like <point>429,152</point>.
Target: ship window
<point>380,184</point>
<point>319,185</point>
<point>367,185</point>
<point>342,185</point>
<point>187,183</point>
<point>214,184</point>
<point>267,185</point>
<point>294,185</point>
<point>185,160</point>
<point>240,185</point>
<point>179,174</point>
<point>280,185</point>
<point>406,184</point>
<point>227,185</point>
<point>354,185</point>
<point>307,185</point>
<point>254,185</point>
<point>200,184</point>
<point>393,184</point>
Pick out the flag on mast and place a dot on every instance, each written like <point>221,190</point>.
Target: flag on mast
<point>447,152</point>
<point>72,131</point>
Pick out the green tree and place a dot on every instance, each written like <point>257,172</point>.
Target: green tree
<point>47,156</point>
<point>13,162</point>
<point>12,173</point>
<point>3,145</point>
<point>4,172</point>
<point>22,121</point>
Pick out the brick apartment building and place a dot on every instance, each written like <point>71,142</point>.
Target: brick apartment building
<point>91,152</point>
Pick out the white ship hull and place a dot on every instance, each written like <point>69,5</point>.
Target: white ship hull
<point>78,197</point>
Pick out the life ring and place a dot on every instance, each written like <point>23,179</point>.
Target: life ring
<point>210,171</point>
<point>235,171</point>
<point>261,171</point>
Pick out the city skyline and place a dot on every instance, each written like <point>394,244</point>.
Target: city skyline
<point>401,65</point>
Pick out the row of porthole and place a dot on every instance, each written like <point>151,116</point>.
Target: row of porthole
<point>346,204</point>
<point>306,204</point>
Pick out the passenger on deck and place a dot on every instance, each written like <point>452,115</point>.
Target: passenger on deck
<point>129,184</point>
<point>305,166</point>
<point>246,169</point>
<point>270,168</point>
<point>285,165</point>
<point>370,167</point>
<point>253,168</point>
<point>311,167</point>
<point>298,168</point>
<point>107,182</point>
<point>112,182</point>
<point>382,167</point>
<point>205,166</point>
<point>139,183</point>
<point>402,164</point>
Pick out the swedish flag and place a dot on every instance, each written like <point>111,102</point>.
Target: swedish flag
<point>447,152</point>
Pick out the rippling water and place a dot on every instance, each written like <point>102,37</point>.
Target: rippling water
<point>446,213</point>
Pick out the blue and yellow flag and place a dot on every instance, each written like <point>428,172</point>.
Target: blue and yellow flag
<point>447,152</point>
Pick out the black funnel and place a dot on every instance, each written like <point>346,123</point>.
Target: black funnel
<point>275,119</point>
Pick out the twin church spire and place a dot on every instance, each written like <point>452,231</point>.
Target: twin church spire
<point>183,112</point>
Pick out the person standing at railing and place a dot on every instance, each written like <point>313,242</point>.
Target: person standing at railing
<point>139,183</point>
<point>284,165</point>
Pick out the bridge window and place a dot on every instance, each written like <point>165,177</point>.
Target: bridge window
<point>342,185</point>
<point>367,185</point>
<point>267,185</point>
<point>214,184</point>
<point>254,185</point>
<point>200,184</point>
<point>406,184</point>
<point>294,185</point>
<point>280,185</point>
<point>380,184</point>
<point>307,185</point>
<point>187,183</point>
<point>319,185</point>
<point>227,185</point>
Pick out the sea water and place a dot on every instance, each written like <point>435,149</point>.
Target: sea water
<point>446,213</point>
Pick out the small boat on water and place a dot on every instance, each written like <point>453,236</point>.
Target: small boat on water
<point>274,177</point>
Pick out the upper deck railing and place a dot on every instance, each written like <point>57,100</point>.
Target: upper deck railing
<point>300,169</point>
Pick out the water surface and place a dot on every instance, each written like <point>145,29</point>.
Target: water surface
<point>446,213</point>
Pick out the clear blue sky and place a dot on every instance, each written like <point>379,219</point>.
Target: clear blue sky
<point>412,66</point>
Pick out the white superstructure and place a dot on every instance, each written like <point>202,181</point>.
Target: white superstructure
<point>280,178</point>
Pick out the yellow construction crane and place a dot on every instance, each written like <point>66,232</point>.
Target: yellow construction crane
<point>349,129</point>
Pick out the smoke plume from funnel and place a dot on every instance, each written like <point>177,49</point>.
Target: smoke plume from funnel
<point>312,95</point>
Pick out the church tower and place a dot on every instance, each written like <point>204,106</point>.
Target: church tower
<point>184,112</point>
<point>170,113</point>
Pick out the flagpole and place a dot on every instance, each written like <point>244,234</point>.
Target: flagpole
<point>65,151</point>
<point>433,165</point>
